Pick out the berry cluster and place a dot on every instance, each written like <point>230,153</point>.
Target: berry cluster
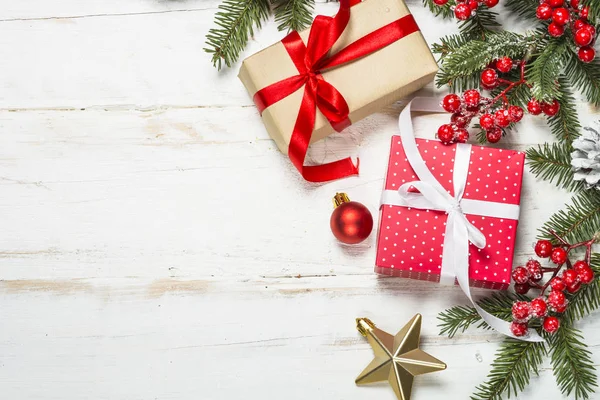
<point>465,9</point>
<point>562,283</point>
<point>536,108</point>
<point>491,118</point>
<point>570,14</point>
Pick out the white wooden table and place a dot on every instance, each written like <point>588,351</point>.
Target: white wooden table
<point>154,244</point>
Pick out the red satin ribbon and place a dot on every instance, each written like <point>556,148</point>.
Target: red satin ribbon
<point>310,60</point>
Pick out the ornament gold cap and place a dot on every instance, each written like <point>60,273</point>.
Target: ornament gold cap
<point>339,199</point>
<point>364,325</point>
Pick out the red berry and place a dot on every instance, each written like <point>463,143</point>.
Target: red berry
<point>534,268</point>
<point>580,266</point>
<point>522,288</point>
<point>544,12</point>
<point>440,2</point>
<point>451,103</point>
<point>586,54</point>
<point>520,310</point>
<point>561,309</point>
<point>543,248</point>
<point>579,23</point>
<point>559,256</point>
<point>539,308</point>
<point>574,3</point>
<point>460,120</point>
<point>462,135</point>
<point>445,133</point>
<point>472,97</point>
<point>504,64</point>
<point>551,324</point>
<point>555,3</point>
<point>473,4</point>
<point>574,288</point>
<point>486,121</point>
<point>489,78</point>
<point>520,275</point>
<point>586,275</point>
<point>551,109</point>
<point>556,30</point>
<point>557,284</point>
<point>585,12</point>
<point>534,107</point>
<point>515,113</point>
<point>502,118</point>
<point>491,3</point>
<point>462,11</point>
<point>560,16</point>
<point>519,329</point>
<point>570,277</point>
<point>592,30</point>
<point>557,299</point>
<point>494,134</point>
<point>583,37</point>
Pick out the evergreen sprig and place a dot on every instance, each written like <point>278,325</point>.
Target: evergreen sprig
<point>544,71</point>
<point>552,162</point>
<point>587,299</point>
<point>445,11</point>
<point>236,21</point>
<point>293,15</point>
<point>515,362</point>
<point>585,76</point>
<point>579,221</point>
<point>526,9</point>
<point>565,125</point>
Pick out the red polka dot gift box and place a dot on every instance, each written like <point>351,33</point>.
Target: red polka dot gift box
<point>411,240</point>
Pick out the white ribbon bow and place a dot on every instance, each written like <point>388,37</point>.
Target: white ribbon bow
<point>459,231</point>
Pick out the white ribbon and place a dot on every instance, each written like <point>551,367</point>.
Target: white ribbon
<point>433,196</point>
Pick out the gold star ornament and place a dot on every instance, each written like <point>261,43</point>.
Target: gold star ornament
<point>398,359</point>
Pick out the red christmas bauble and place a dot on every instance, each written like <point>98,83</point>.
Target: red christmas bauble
<point>586,54</point>
<point>551,324</point>
<point>491,3</point>
<point>544,12</point>
<point>489,78</point>
<point>519,329</point>
<point>451,103</point>
<point>543,248</point>
<point>472,97</point>
<point>502,118</point>
<point>462,135</point>
<point>559,256</point>
<point>551,109</point>
<point>556,30</point>
<point>539,308</point>
<point>462,11</point>
<point>504,64</point>
<point>493,135</point>
<point>520,275</point>
<point>583,37</point>
<point>445,133</point>
<point>351,222</point>
<point>486,121</point>
<point>515,113</point>
<point>560,16</point>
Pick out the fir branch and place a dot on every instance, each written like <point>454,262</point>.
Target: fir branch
<point>444,11</point>
<point>461,68</point>
<point>235,20</point>
<point>585,77</point>
<point>526,9</point>
<point>481,25</point>
<point>594,14</point>
<point>511,370</point>
<point>579,221</point>
<point>543,72</point>
<point>565,125</point>
<point>587,299</point>
<point>293,15</point>
<point>571,363</point>
<point>449,44</point>
<point>552,162</point>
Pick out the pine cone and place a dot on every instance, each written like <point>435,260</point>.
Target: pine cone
<point>586,158</point>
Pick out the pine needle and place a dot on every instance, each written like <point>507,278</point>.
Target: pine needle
<point>552,162</point>
<point>579,221</point>
<point>235,20</point>
<point>543,72</point>
<point>565,125</point>
<point>585,77</point>
<point>293,15</point>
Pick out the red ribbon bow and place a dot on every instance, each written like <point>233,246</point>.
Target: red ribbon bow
<point>310,60</point>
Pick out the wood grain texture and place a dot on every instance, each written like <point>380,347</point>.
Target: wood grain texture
<point>156,245</point>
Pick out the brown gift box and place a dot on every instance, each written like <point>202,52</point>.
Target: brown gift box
<point>368,84</point>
